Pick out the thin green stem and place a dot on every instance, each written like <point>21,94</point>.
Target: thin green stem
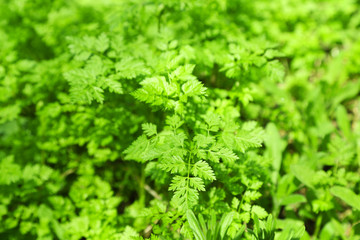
<point>142,187</point>
<point>241,202</point>
<point>318,225</point>
<point>188,177</point>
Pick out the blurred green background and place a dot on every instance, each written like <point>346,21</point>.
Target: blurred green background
<point>67,73</point>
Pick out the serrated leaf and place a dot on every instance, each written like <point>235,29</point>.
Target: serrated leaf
<point>202,141</point>
<point>156,91</point>
<point>183,73</point>
<point>141,150</point>
<point>129,68</point>
<point>149,129</point>
<point>213,121</point>
<point>10,171</point>
<point>252,195</point>
<point>275,71</point>
<point>129,233</point>
<point>98,94</point>
<point>197,183</point>
<point>178,182</point>
<point>174,121</point>
<point>102,43</point>
<point>9,113</point>
<point>227,155</point>
<point>259,211</point>
<point>113,86</point>
<point>193,87</point>
<point>235,203</point>
<point>203,170</point>
<point>184,196</point>
<point>243,139</point>
<point>173,165</point>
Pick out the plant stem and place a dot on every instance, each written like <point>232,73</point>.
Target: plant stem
<point>318,225</point>
<point>142,187</point>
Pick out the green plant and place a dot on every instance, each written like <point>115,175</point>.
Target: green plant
<point>186,119</point>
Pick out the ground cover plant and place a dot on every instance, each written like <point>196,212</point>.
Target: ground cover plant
<point>184,119</point>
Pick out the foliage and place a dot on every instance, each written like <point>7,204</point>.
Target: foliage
<point>179,119</point>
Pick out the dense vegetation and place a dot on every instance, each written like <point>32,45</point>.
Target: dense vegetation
<point>206,120</point>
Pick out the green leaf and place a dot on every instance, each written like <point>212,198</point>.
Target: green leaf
<point>203,141</point>
<point>292,232</point>
<point>9,113</point>
<point>157,91</point>
<point>182,73</point>
<point>142,150</point>
<point>194,225</point>
<point>275,71</point>
<point>129,233</point>
<point>299,232</point>
<point>113,86</point>
<point>129,68</point>
<point>270,223</point>
<point>98,94</point>
<point>224,153</point>
<point>239,233</point>
<point>304,174</point>
<point>197,183</point>
<point>256,224</point>
<point>274,148</point>
<point>225,222</point>
<point>343,121</point>
<point>349,90</point>
<point>347,196</point>
<point>259,211</point>
<point>186,191</point>
<point>149,129</point>
<point>203,170</point>
<point>202,223</point>
<point>193,88</point>
<point>10,171</point>
<point>213,121</point>
<point>292,199</point>
<point>173,165</point>
<point>102,43</point>
<point>174,121</point>
<point>247,137</point>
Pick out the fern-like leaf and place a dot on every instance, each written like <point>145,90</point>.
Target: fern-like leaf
<point>203,170</point>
